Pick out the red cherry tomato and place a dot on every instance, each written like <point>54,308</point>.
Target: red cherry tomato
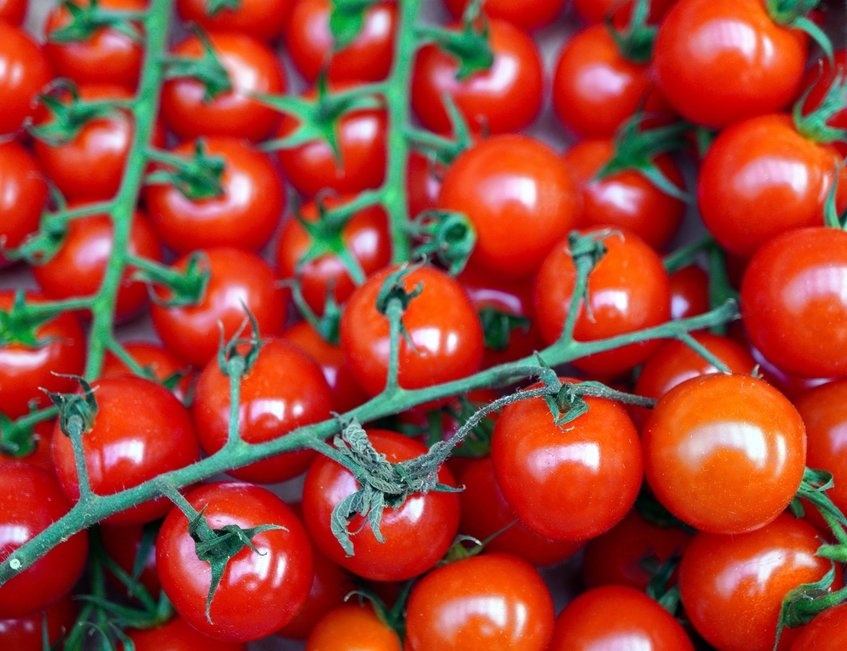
<point>689,291</point>
<point>164,366</point>
<point>353,627</point>
<point>526,14</point>
<point>826,632</point>
<point>597,11</point>
<point>13,11</point>
<point>423,183</point>
<point>177,635</point>
<point>24,71</point>
<point>41,436</point>
<point>25,633</point>
<point>23,194</point>
<point>261,19</point>
<point>822,75</point>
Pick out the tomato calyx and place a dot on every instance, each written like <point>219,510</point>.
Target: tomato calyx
<point>187,287</point>
<point>214,7</point>
<point>470,44</point>
<point>19,323</point>
<point>814,125</point>
<point>88,19</point>
<point>635,41</point>
<point>207,69</point>
<point>498,325</point>
<point>17,438</point>
<point>346,21</point>
<point>447,235</point>
<point>196,177</point>
<point>794,14</point>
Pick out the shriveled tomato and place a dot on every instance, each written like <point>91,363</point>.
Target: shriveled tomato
<point>353,627</point>
<point>23,194</point>
<point>492,601</point>
<point>526,14</point>
<point>519,197</point>
<point>24,71</point>
<point>177,635</point>
<point>261,19</point>
<point>502,99</point>
<point>25,633</point>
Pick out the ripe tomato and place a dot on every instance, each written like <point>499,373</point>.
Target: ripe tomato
<point>628,289</point>
<point>79,266</point>
<point>164,366</point>
<point>27,370</point>
<point>41,436</point>
<point>176,635</point>
<point>626,199</point>
<point>735,432</point>
<point>237,280</point>
<point>689,291</point>
<point>108,56</point>
<point>826,632</point>
<point>423,183</point>
<point>708,60</point>
<point>572,481</point>
<point>261,19</point>
<point>492,601</point>
<point>365,237</point>
<point>252,67</point>
<point>139,432</point>
<point>30,501</point>
<point>283,390</point>
<point>597,11</point>
<point>13,11</point>
<point>822,75</point>
<point>526,14</point>
<point>23,194</point>
<point>520,199</point>
<point>124,543</point>
<point>505,98</point>
<point>313,167</point>
<point>367,57</point>
<point>443,330</point>
<point>417,534</point>
<point>24,71</point>
<point>25,633</point>
<point>617,617</point>
<point>352,627</point>
<point>793,301</point>
<point>261,589</point>
<point>732,586</point>
<point>244,214</point>
<point>596,88</point>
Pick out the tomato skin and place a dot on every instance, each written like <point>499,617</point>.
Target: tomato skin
<point>626,198</point>
<point>569,482</point>
<point>492,601</point>
<point>163,364</point>
<point>441,323</point>
<point>24,71</point>
<point>79,266</point>
<point>630,268</point>
<point>596,11</point>
<point>244,215</point>
<point>140,431</point>
<point>352,627</point>
<point>417,534</point>
<point>423,183</point>
<point>525,14</point>
<point>177,635</point>
<point>760,178</point>
<point>615,616</point>
<point>123,544</point>
<point>365,237</point>
<point>191,332</point>
<point>826,632</point>
<point>274,582</point>
<point>26,371</point>
<point>689,291</point>
<point>252,68</point>
<point>108,56</point>
<point>506,98</point>
<point>732,586</point>
<point>596,89</point>
<point>741,462</point>
<point>793,303</point>
<point>368,57</point>
<point>24,633</point>
<point>23,194</point>
<point>520,199</point>
<point>821,76</point>
<point>261,19</point>
<point>41,456</point>
<point>720,61</point>
<point>30,501</point>
<point>283,390</point>
<point>13,11</point>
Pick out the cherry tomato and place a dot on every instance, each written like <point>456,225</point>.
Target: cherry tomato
<point>13,11</point>
<point>504,98</point>
<point>262,588</point>
<point>25,633</point>
<point>793,301</point>
<point>732,587</point>
<point>161,364</point>
<point>572,481</point>
<point>31,500</point>
<point>417,534</point>
<point>597,11</point>
<point>720,61</point>
<point>79,266</point>
<point>24,71</point>
<point>352,627</point>
<point>177,635</point>
<point>689,291</point>
<point>108,56</point>
<point>124,543</point>
<point>41,436</point>
<point>237,280</point>
<point>251,66</point>
<point>442,340</point>
<point>23,194</point>
<point>826,632</point>
<point>520,199</point>
<point>140,431</point>
<point>261,19</point>
<point>28,369</point>
<point>367,57</point>
<point>628,289</point>
<point>364,236</point>
<point>492,601</point>
<point>244,214</point>
<point>617,616</point>
<point>423,183</point>
<point>526,14</point>
<point>735,432</point>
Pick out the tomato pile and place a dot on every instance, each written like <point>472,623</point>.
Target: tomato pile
<point>374,324</point>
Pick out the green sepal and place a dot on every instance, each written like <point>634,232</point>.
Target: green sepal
<point>16,440</point>
<point>214,7</point>
<point>233,359</point>
<point>497,326</point>
<point>657,587</point>
<point>88,19</point>
<point>197,176</point>
<point>393,288</point>
<point>346,20</point>
<point>446,235</point>
<point>805,601</point>
<point>635,42</point>
<point>188,287</point>
<point>69,114</point>
<point>794,14</point>
<point>470,46</point>
<point>76,410</point>
<point>207,69</point>
<point>814,124</point>
<point>20,322</point>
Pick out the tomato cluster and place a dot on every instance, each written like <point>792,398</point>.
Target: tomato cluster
<point>426,326</point>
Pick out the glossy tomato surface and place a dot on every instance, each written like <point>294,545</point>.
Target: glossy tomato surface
<point>261,19</point>
<point>23,194</point>
<point>353,627</point>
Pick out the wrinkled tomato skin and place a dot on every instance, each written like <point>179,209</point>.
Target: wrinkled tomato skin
<point>24,71</point>
<point>261,590</point>
<point>492,601</point>
<point>24,633</point>
<point>721,61</point>
<point>353,627</point>
<point>741,465</point>
<point>23,194</point>
<point>506,98</point>
<point>618,617</point>
<point>261,19</point>
<point>417,534</point>
<point>31,499</point>
<point>139,432</point>
<point>793,302</point>
<point>177,635</point>
<point>732,587</point>
<point>520,199</point>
